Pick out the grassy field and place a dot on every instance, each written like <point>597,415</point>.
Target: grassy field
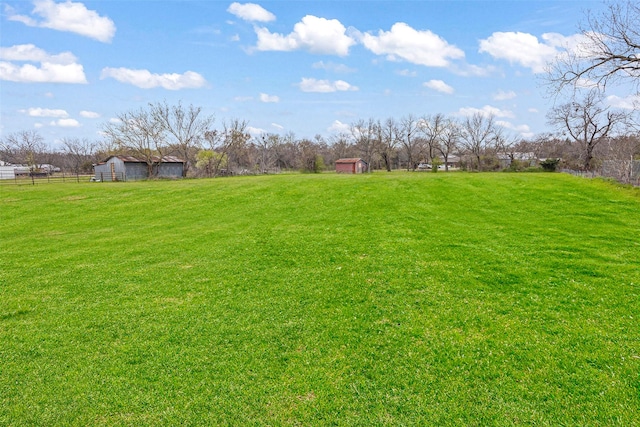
<point>387,299</point>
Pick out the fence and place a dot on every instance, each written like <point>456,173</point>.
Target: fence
<point>37,178</point>
<point>626,172</point>
<point>109,176</point>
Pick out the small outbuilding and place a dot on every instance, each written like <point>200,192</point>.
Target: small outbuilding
<point>129,168</point>
<point>354,165</point>
<point>9,171</point>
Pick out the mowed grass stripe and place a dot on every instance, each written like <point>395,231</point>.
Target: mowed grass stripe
<point>386,299</point>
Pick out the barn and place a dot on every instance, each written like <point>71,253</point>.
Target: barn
<point>354,165</point>
<point>8,171</point>
<point>129,168</point>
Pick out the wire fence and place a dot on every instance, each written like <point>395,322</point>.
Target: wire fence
<point>632,177</point>
<point>627,172</point>
<point>42,178</point>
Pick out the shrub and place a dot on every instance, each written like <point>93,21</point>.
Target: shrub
<point>549,165</point>
<point>318,165</point>
<point>435,163</point>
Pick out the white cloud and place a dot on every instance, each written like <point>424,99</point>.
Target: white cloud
<point>439,86</point>
<point>255,131</point>
<point>631,102</point>
<point>46,73</point>
<point>407,73</point>
<point>269,98</point>
<point>65,123</point>
<point>45,112</point>
<point>503,96</point>
<point>469,70</point>
<point>313,34</point>
<point>520,48</point>
<point>68,16</point>
<point>146,80</point>
<point>89,114</point>
<point>527,50</point>
<point>522,129</point>
<point>338,127</point>
<point>207,30</point>
<point>60,68</point>
<point>585,83</point>
<point>576,43</point>
<point>486,111</point>
<point>251,12</point>
<point>406,43</point>
<point>277,126</point>
<point>330,66</point>
<point>31,53</point>
<point>325,86</point>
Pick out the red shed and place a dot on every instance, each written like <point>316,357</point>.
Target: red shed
<point>355,165</point>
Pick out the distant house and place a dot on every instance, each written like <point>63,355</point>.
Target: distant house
<point>453,161</point>
<point>129,168</point>
<point>527,159</point>
<point>355,165</point>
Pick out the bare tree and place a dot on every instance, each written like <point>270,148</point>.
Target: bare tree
<point>609,51</point>
<point>511,147</point>
<point>389,136</point>
<point>620,153</point>
<point>228,144</point>
<point>309,157</point>
<point>267,145</point>
<point>364,134</point>
<point>25,147</point>
<point>325,153</point>
<point>184,128</point>
<point>235,138</point>
<point>288,152</point>
<point>282,150</point>
<point>340,147</point>
<point>79,152</point>
<point>587,122</point>
<point>138,134</point>
<point>105,147</point>
<point>431,128</point>
<point>409,132</point>
<point>544,145</point>
<point>449,140</point>
<point>479,132</point>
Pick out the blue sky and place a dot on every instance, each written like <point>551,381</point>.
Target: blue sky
<point>307,67</point>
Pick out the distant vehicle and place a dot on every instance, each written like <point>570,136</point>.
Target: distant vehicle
<point>424,166</point>
<point>49,168</point>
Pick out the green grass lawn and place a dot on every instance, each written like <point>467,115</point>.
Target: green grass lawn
<point>384,299</point>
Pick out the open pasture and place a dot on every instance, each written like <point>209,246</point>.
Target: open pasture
<point>383,299</point>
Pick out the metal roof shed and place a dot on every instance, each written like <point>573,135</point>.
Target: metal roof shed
<point>129,168</point>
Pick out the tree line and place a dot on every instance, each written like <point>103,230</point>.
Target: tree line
<point>589,133</point>
<point>592,134</point>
